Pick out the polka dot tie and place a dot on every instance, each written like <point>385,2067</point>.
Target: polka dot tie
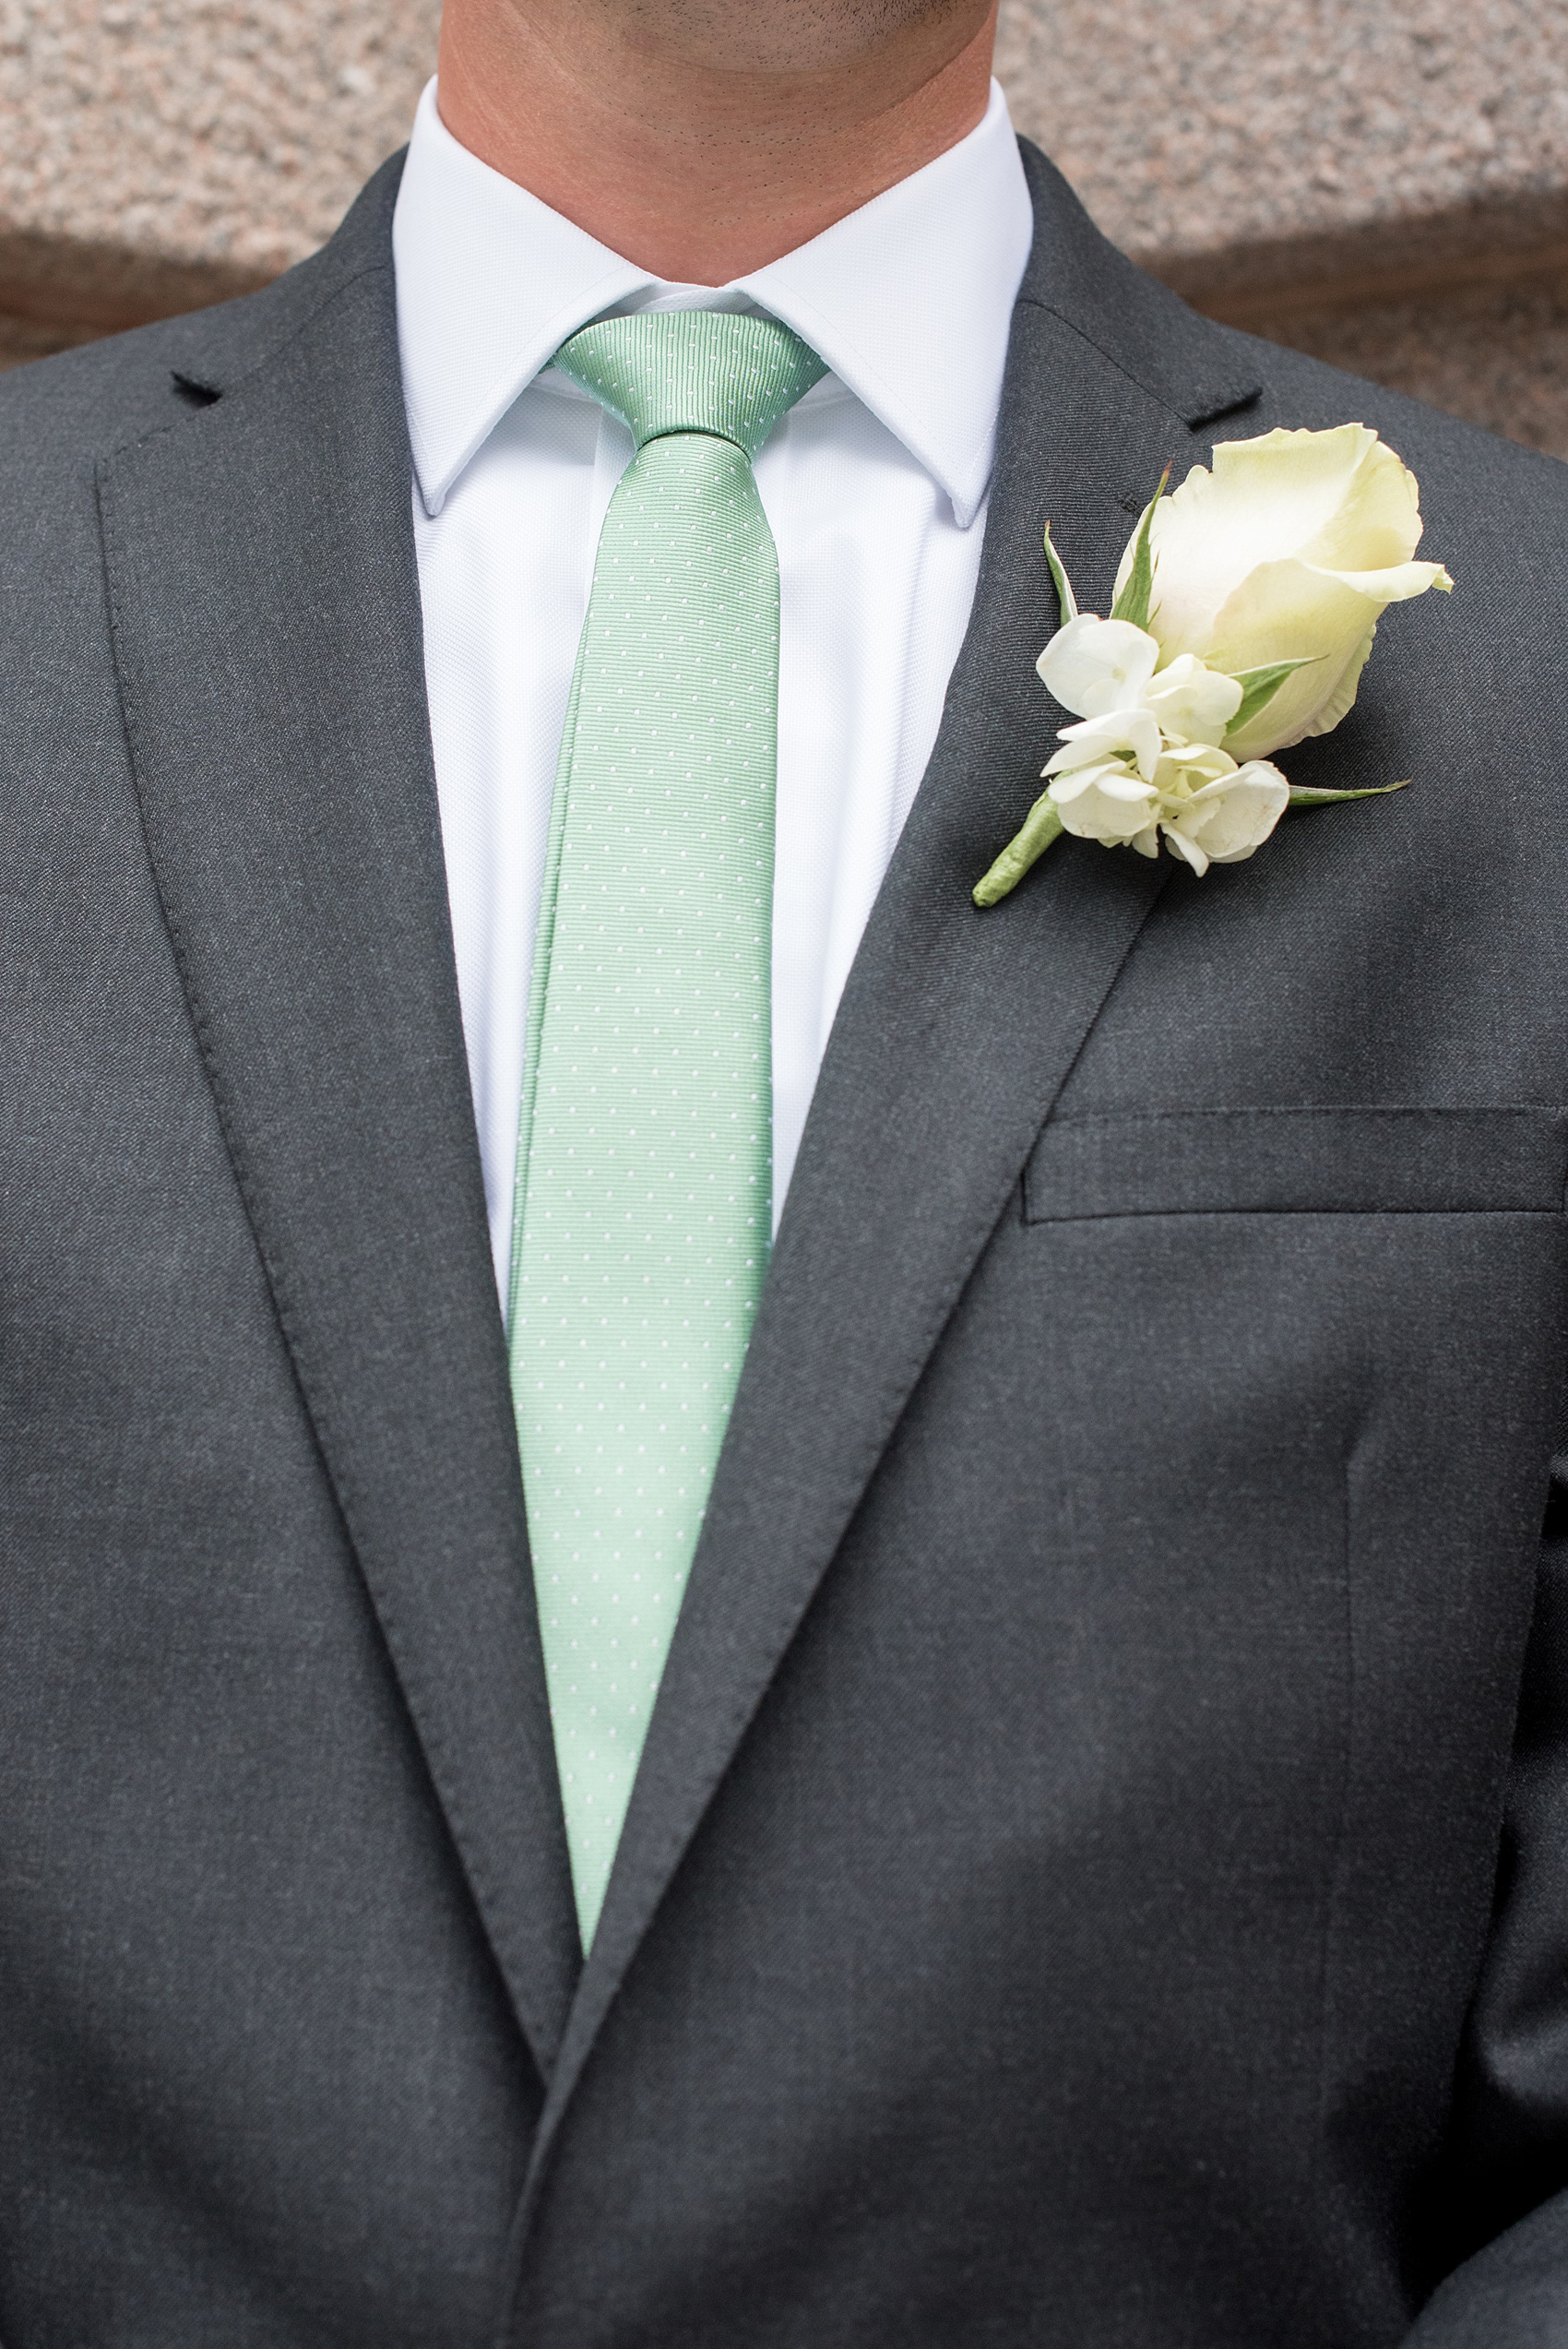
<point>644,1200</point>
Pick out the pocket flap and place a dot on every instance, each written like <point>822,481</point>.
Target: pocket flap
<point>1329,1160</point>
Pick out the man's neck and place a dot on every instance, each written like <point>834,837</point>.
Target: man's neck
<point>701,154</point>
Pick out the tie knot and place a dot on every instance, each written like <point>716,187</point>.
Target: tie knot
<point>692,371</point>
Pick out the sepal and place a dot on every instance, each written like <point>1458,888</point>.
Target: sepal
<point>1136,598</point>
<point>1302,796</point>
<point>1260,686</point>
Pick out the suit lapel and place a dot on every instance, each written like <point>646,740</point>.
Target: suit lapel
<point>955,1032</point>
<point>267,633</point>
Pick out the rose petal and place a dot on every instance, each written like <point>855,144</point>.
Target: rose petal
<point>1266,500</point>
<point>1288,612</point>
<point>1288,550</point>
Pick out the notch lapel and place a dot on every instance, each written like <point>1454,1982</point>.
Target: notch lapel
<point>268,639</point>
<point>955,1032</point>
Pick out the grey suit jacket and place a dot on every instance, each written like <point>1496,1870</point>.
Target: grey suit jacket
<point>1100,1872</point>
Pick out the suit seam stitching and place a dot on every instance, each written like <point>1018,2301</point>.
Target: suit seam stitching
<point>1233,398</point>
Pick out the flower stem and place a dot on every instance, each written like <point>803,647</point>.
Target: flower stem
<point>1040,826</point>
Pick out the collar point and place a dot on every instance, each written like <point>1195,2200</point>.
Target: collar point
<point>432,487</point>
<point>968,499</point>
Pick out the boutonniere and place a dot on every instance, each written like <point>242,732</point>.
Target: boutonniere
<point>1246,606</point>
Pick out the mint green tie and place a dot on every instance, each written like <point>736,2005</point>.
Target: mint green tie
<point>641,1230</point>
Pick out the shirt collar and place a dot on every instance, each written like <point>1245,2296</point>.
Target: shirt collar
<point>908,301</point>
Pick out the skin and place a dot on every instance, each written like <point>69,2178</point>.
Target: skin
<point>703,138</point>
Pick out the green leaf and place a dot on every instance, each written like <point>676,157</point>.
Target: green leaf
<point>1133,604</point>
<point>1040,826</point>
<point>1067,603</point>
<point>1302,797</point>
<point>1260,686</point>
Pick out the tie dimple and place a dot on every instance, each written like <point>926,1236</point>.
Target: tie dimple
<point>643,1166</point>
<point>692,371</point>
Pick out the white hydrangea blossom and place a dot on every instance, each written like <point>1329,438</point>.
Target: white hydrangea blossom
<point>1144,759</point>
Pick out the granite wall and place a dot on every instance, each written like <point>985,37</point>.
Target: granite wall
<point>1383,182</point>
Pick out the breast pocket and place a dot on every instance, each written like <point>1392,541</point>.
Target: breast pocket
<point>1332,1159</point>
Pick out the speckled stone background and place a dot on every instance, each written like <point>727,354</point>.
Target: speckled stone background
<point>157,153</point>
<point>1384,181</point>
<point>1246,145</point>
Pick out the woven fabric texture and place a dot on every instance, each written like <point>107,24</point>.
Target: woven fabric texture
<point>645,1171</point>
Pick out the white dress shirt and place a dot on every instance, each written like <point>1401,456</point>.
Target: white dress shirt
<point>874,487</point>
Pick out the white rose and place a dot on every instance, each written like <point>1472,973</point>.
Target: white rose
<point>1290,550</point>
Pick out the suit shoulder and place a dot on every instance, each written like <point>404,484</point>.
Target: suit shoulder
<point>59,416</point>
<point>82,404</point>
